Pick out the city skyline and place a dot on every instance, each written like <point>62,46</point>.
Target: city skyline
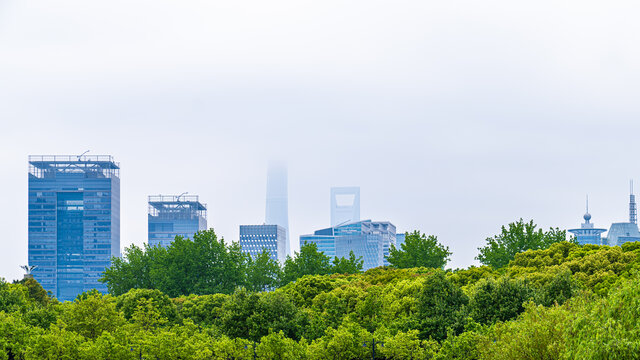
<point>237,238</point>
<point>453,118</point>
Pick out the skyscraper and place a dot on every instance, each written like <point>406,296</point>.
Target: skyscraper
<point>277,209</point>
<point>256,238</point>
<point>345,205</point>
<point>175,215</point>
<point>587,233</point>
<point>74,221</point>
<point>620,233</point>
<point>367,239</point>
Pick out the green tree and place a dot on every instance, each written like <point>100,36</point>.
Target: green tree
<point>131,271</point>
<point>309,261</point>
<point>57,343</point>
<point>514,239</point>
<point>407,345</point>
<point>419,250</point>
<point>128,303</point>
<point>499,300</point>
<point>352,265</point>
<point>441,307</point>
<point>204,265</point>
<point>263,272</point>
<point>92,316</point>
<point>276,346</point>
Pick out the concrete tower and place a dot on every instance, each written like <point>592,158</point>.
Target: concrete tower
<point>277,211</point>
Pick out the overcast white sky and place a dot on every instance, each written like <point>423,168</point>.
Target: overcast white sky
<point>454,117</point>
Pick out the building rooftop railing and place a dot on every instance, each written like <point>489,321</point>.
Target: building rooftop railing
<point>100,166</point>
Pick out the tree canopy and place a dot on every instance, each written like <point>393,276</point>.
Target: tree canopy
<point>516,238</point>
<point>419,250</point>
<point>563,302</point>
<point>208,265</point>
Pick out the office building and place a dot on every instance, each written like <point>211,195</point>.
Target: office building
<point>175,215</point>
<point>74,221</point>
<point>277,209</point>
<point>256,238</point>
<point>400,237</point>
<point>367,239</point>
<point>620,233</point>
<point>345,205</point>
<point>588,233</point>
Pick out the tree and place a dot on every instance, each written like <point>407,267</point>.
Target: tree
<point>263,272</point>
<point>352,265</point>
<point>440,307</point>
<point>204,265</point>
<point>518,237</point>
<point>129,302</point>
<point>92,316</point>
<point>418,250</point>
<point>500,300</point>
<point>309,261</point>
<point>131,271</point>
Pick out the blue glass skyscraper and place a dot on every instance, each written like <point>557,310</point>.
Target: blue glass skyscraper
<point>256,238</point>
<point>74,221</point>
<point>171,216</point>
<point>367,239</point>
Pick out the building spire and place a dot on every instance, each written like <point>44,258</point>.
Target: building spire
<point>633,211</point>
<point>587,216</point>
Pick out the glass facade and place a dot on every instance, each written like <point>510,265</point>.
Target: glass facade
<point>74,221</point>
<point>367,239</point>
<point>171,216</point>
<point>255,238</point>
<point>587,233</point>
<point>400,237</point>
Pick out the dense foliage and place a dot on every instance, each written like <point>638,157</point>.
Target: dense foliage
<point>208,265</point>
<point>419,250</point>
<point>564,302</point>
<point>516,238</point>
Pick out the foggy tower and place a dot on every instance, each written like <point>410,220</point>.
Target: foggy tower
<point>277,211</point>
<point>633,212</point>
<point>345,205</point>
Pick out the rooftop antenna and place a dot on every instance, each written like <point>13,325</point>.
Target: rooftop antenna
<point>81,155</point>
<point>178,198</point>
<point>633,211</point>
<point>587,203</point>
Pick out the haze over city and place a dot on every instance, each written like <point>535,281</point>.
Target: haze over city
<point>450,130</point>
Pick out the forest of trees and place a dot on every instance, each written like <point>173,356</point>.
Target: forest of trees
<point>559,300</point>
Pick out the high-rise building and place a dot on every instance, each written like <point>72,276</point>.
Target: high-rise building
<point>74,221</point>
<point>587,233</point>
<point>256,238</point>
<point>367,239</point>
<point>345,205</point>
<point>277,209</point>
<point>620,233</point>
<point>400,237</point>
<point>175,215</point>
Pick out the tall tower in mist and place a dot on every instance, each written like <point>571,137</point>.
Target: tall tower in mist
<point>277,211</point>
<point>345,205</point>
<point>633,210</point>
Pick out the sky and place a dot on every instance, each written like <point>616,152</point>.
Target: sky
<point>454,117</point>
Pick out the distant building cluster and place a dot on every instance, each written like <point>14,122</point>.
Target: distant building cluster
<point>619,233</point>
<point>74,221</point>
